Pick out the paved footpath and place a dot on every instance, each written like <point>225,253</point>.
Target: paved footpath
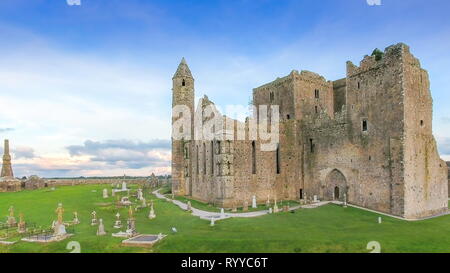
<point>207,215</point>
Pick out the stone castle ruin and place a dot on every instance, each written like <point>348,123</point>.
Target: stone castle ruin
<point>367,137</point>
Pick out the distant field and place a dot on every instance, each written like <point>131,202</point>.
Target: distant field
<point>330,228</point>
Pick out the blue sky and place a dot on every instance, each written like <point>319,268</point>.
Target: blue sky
<point>86,90</point>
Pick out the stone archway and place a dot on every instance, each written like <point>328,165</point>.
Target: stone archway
<point>335,186</point>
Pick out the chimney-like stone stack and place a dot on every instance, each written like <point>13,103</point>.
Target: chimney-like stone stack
<point>6,167</point>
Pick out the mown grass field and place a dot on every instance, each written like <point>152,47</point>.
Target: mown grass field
<point>330,228</point>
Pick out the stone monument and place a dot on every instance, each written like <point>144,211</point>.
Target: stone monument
<point>21,226</point>
<point>11,219</point>
<point>94,218</point>
<point>131,223</point>
<point>118,223</point>
<point>75,221</point>
<point>140,195</point>
<point>275,207</point>
<point>101,228</point>
<point>152,214</point>
<point>245,207</point>
<point>60,228</point>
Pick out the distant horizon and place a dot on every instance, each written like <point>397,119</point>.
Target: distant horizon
<point>86,90</point>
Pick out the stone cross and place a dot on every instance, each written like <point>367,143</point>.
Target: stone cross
<point>59,211</point>
<point>94,218</point>
<point>130,213</point>
<point>11,211</point>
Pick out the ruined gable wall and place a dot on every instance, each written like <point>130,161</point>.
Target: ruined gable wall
<point>339,92</point>
<point>426,182</point>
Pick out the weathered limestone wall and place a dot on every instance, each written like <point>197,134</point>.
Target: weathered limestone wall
<point>448,165</point>
<point>426,182</point>
<point>340,92</point>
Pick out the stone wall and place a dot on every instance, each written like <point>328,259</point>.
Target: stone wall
<point>448,165</point>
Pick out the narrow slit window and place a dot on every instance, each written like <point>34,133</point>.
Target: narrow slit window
<point>212,158</point>
<point>253,157</point>
<point>183,83</point>
<point>198,160</point>
<point>316,93</point>
<point>277,159</point>
<point>204,158</point>
<point>364,125</point>
<point>311,145</point>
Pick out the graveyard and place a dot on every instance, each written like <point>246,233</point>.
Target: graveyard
<point>329,228</point>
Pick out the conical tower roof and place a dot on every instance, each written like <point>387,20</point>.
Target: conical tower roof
<point>183,70</point>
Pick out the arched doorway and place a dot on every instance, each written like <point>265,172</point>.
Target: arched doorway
<point>336,192</point>
<point>335,186</point>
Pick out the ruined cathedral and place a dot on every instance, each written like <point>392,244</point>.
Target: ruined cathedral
<point>366,137</point>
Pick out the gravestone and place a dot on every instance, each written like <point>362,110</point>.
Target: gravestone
<point>254,202</point>
<point>245,207</point>
<point>275,207</point>
<point>101,228</point>
<point>270,210</point>
<point>140,195</point>
<point>113,192</point>
<point>152,214</point>
<point>11,219</point>
<point>21,226</point>
<point>379,220</point>
<point>105,193</point>
<point>189,206</point>
<point>94,218</point>
<point>75,221</point>
<point>59,228</point>
<point>118,223</point>
<point>212,221</point>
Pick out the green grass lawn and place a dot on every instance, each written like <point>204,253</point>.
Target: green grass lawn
<point>330,228</point>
